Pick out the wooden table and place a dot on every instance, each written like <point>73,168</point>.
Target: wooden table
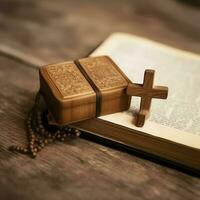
<point>37,32</point>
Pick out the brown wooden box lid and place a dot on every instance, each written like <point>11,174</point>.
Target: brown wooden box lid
<point>67,84</point>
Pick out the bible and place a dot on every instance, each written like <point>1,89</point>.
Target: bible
<point>172,132</point>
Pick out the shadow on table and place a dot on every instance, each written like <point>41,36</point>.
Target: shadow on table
<point>141,154</point>
<point>191,2</point>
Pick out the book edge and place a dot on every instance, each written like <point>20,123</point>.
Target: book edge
<point>152,42</point>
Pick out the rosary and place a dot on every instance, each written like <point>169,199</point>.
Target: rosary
<point>40,133</point>
<point>83,89</point>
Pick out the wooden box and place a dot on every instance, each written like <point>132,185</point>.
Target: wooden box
<point>84,89</point>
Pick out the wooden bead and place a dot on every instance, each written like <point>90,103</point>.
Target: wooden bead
<point>25,150</point>
<point>17,148</point>
<point>40,141</point>
<point>38,135</point>
<point>29,126</point>
<point>34,154</point>
<point>45,141</point>
<point>42,145</point>
<point>50,140</point>
<point>78,132</point>
<point>39,148</point>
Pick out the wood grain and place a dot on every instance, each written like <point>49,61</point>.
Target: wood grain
<point>146,91</point>
<point>53,31</point>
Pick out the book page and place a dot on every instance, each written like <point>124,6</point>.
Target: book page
<point>178,117</point>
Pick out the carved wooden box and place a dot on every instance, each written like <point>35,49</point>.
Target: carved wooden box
<point>83,89</point>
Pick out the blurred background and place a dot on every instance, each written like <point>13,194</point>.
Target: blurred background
<point>38,32</point>
<point>67,29</point>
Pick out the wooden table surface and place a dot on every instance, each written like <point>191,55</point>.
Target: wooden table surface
<point>40,31</point>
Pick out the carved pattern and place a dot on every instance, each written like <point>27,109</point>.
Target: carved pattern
<point>103,73</point>
<point>68,79</point>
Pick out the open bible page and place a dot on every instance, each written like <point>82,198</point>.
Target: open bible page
<point>178,117</point>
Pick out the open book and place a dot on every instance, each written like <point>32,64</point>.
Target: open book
<point>173,130</point>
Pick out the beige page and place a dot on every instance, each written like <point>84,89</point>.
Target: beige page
<point>178,117</point>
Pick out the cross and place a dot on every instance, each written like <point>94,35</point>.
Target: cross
<point>146,91</point>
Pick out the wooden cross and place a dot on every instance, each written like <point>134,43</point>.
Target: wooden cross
<point>146,91</point>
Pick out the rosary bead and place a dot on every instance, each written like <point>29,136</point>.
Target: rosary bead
<point>58,136</point>
<point>78,132</point>
<point>40,141</point>
<point>42,131</point>
<point>31,151</point>
<point>37,129</point>
<point>17,148</point>
<point>42,145</point>
<point>32,137</point>
<point>25,150</point>
<point>40,124</point>
<point>50,140</point>
<point>69,133</point>
<point>34,154</point>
